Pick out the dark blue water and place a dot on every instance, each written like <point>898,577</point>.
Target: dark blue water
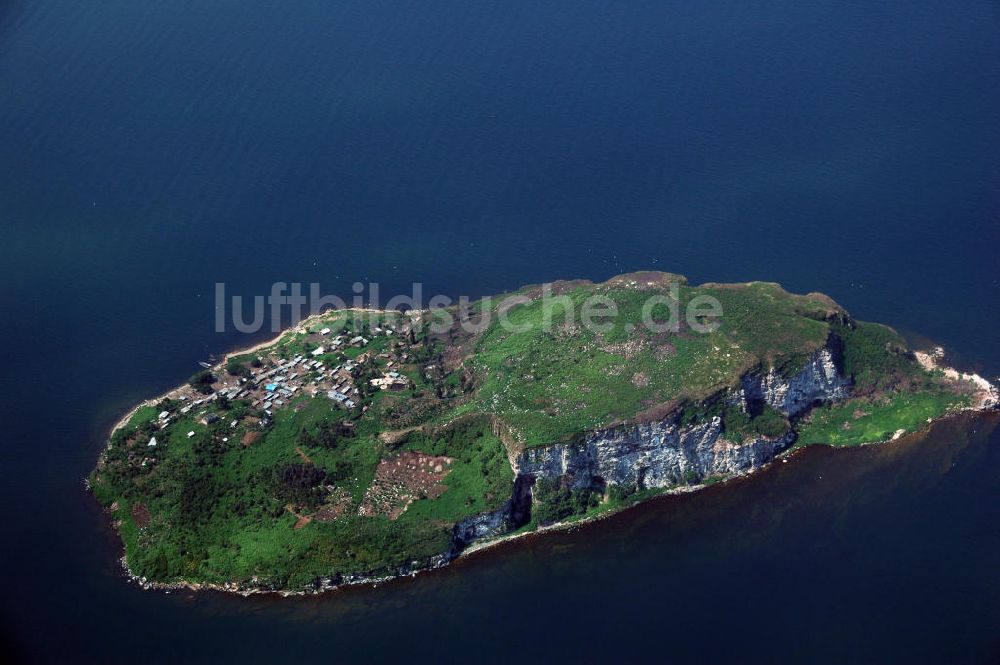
<point>151,149</point>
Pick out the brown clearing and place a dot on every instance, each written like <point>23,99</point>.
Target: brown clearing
<point>301,520</point>
<point>250,438</point>
<point>401,480</point>
<point>141,516</point>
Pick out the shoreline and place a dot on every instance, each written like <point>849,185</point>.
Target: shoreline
<point>475,548</point>
<point>988,399</point>
<point>360,580</point>
<point>232,354</point>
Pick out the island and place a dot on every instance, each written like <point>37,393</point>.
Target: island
<point>362,446</point>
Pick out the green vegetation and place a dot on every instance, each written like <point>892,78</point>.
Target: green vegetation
<point>481,479</point>
<point>739,424</point>
<point>277,485</point>
<point>767,422</point>
<point>221,511</point>
<point>212,508</point>
<point>868,420</point>
<point>876,358</point>
<point>552,384</point>
<point>891,392</point>
<point>202,382</point>
<point>142,416</point>
<point>236,368</point>
<point>555,500</point>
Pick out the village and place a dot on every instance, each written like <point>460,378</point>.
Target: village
<point>336,365</point>
<point>333,371</point>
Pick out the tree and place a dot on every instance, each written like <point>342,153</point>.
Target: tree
<point>235,368</point>
<point>202,382</point>
<point>299,484</point>
<point>556,500</point>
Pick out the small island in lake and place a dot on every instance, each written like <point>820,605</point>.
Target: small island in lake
<point>356,448</point>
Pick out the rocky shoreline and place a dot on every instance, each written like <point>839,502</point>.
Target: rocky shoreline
<point>648,455</point>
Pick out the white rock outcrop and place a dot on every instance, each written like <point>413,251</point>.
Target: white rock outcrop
<point>665,453</point>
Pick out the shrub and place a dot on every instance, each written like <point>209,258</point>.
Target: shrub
<point>235,368</point>
<point>874,356</point>
<point>555,500</point>
<point>762,421</point>
<point>328,435</point>
<point>619,493</point>
<point>202,382</point>
<point>770,423</point>
<point>299,484</point>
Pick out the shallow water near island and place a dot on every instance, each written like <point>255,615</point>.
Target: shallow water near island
<point>151,150</point>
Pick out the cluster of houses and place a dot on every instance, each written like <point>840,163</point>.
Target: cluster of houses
<point>164,418</point>
<point>391,381</point>
<point>341,340</point>
<point>276,386</point>
<point>284,381</point>
<point>279,381</point>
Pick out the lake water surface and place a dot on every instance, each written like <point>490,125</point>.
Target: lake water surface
<point>149,150</point>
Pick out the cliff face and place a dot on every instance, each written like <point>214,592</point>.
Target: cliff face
<point>513,514</point>
<point>649,455</point>
<point>818,381</point>
<point>665,453</point>
<point>662,454</point>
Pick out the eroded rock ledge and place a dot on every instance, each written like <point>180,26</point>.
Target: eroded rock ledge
<point>664,454</point>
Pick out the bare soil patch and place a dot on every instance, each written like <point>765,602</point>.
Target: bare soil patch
<point>392,437</point>
<point>646,279</point>
<point>250,438</point>
<point>403,479</point>
<point>141,516</point>
<point>338,503</point>
<point>656,411</point>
